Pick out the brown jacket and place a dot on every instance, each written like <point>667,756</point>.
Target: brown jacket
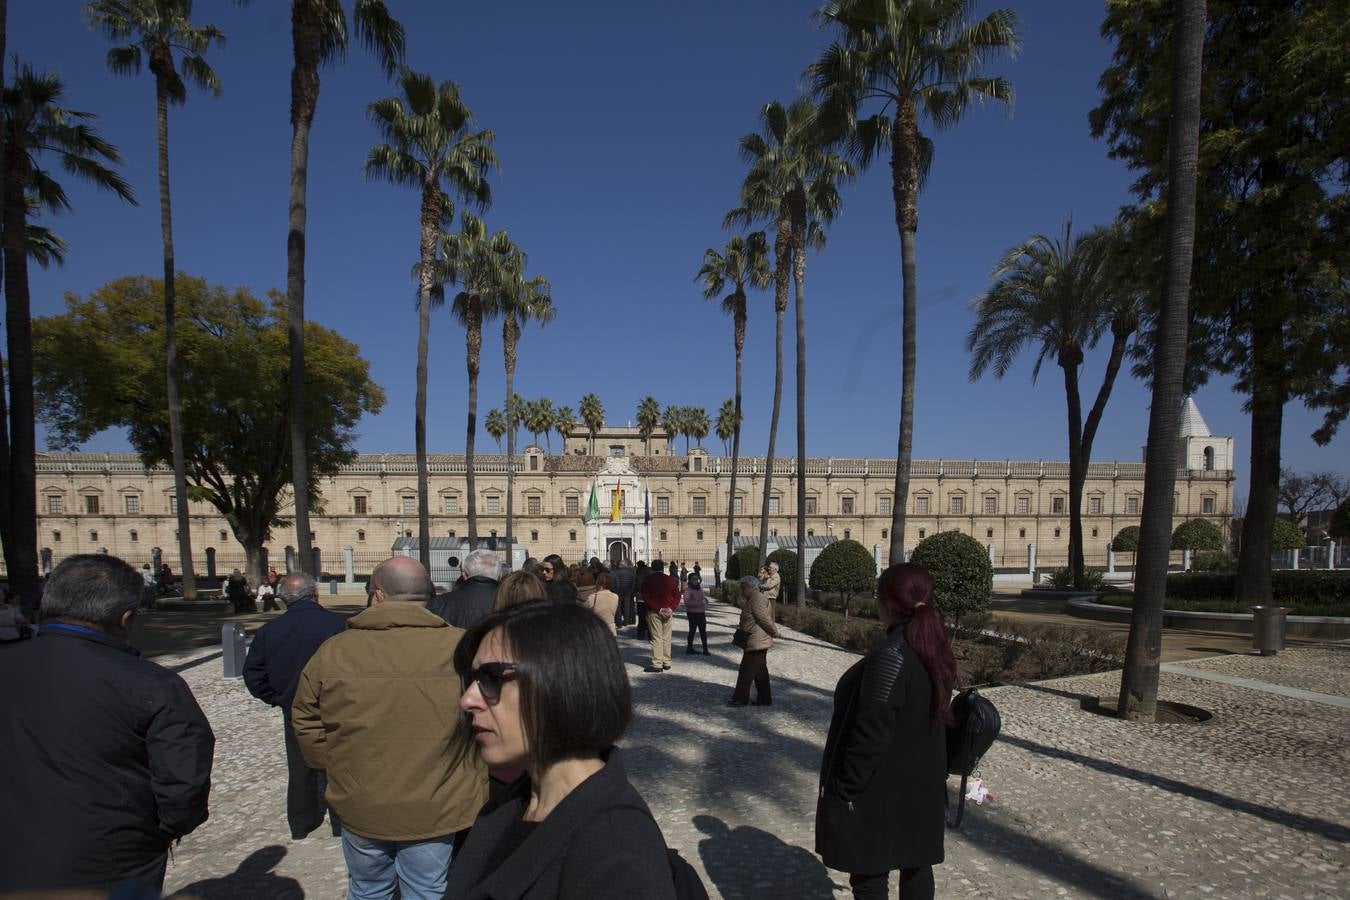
<point>604,604</point>
<point>378,708</point>
<point>757,618</point>
<point>773,583</point>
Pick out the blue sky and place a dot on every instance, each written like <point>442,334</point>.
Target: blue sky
<point>617,125</point>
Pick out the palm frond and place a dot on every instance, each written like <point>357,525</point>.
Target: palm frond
<point>380,32</point>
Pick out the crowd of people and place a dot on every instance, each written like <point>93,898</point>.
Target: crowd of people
<point>462,744</point>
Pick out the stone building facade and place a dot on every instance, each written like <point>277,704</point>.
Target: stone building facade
<point>671,505</point>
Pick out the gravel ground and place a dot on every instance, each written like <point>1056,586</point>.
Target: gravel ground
<point>1250,804</point>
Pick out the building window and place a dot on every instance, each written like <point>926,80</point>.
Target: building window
<point>810,506</point>
<point>534,535</point>
<point>990,505</point>
<point>1209,459</point>
<point>451,533</point>
<point>884,506</point>
<point>56,537</point>
<point>494,504</point>
<point>737,533</point>
<point>1057,505</point>
<point>663,506</point>
<point>698,464</point>
<point>173,504</point>
<point>360,534</point>
<point>1132,505</point>
<point>885,532</point>
<point>93,535</point>
<point>133,502</point>
<point>773,531</point>
<point>1023,505</point>
<point>533,505</point>
<point>698,535</point>
<point>572,505</point>
<point>699,505</point>
<point>1021,532</point>
<point>534,463</point>
<point>135,536</point>
<point>846,506</point>
<point>572,536</point>
<point>224,536</point>
<point>616,449</point>
<point>1207,506</point>
<point>921,504</point>
<point>359,505</point>
<point>1094,532</point>
<point>408,505</point>
<point>451,504</point>
<point>312,536</point>
<point>922,534</point>
<point>738,505</point>
<point>56,505</point>
<point>91,504</point>
<point>773,506</point>
<point>957,504</point>
<point>493,534</point>
<point>810,532</point>
<point>1094,506</point>
<point>663,534</point>
<point>989,532</point>
<point>1056,532</point>
<point>847,534</point>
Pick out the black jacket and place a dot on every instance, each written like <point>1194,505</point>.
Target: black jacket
<point>281,648</point>
<point>106,760</point>
<point>883,779</point>
<point>600,842</point>
<point>466,604</point>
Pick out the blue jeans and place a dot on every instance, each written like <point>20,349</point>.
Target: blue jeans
<point>374,867</point>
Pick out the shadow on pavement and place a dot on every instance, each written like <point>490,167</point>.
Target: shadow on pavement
<point>253,879</point>
<point>747,862</point>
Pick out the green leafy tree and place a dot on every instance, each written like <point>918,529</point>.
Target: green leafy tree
<point>430,144</point>
<point>1272,236</point>
<point>157,31</point>
<point>523,300</point>
<point>495,425</point>
<point>963,579</point>
<point>1288,536</point>
<point>99,362</point>
<point>1059,295</point>
<point>1340,522</point>
<point>1126,540</point>
<point>1197,534</point>
<point>907,60</point>
<point>787,572</point>
<point>725,430</point>
<point>845,568</point>
<point>319,35</point>
<point>539,417</point>
<point>593,415</point>
<point>744,262</point>
<point>672,421</point>
<point>564,421</point>
<point>38,131</point>
<point>648,416</point>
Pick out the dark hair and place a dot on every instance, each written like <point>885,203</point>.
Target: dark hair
<point>907,590</point>
<point>604,581</point>
<point>559,567</point>
<point>575,700</point>
<point>560,590</point>
<point>92,587</point>
<point>583,578</point>
<point>695,580</point>
<point>658,565</point>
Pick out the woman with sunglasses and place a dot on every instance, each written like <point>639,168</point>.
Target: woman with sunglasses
<point>545,689</point>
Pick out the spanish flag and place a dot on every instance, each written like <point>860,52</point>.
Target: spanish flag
<point>616,512</point>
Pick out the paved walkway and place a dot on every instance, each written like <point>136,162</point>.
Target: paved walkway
<point>1251,804</point>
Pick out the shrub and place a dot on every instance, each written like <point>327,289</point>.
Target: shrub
<point>845,568</point>
<point>963,579</point>
<point>1287,536</point>
<point>1197,534</point>
<point>743,562</point>
<point>787,571</point>
<point>1213,561</point>
<point>1306,587</point>
<point>1093,579</point>
<point>1127,541</point>
<point>1340,522</point>
<point>1061,579</point>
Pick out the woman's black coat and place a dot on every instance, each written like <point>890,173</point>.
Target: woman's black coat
<point>883,779</point>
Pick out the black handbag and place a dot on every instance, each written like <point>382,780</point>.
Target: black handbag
<point>976,726</point>
<point>741,638</point>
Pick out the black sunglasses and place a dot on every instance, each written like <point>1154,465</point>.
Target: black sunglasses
<point>490,677</point>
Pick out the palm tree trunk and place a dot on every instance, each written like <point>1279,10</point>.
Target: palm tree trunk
<point>473,341</point>
<point>430,216</point>
<point>1069,361</point>
<point>799,281</point>
<point>7,531</point>
<point>1119,341</point>
<point>1252,584</point>
<point>20,538</point>
<point>510,333</point>
<point>171,346</point>
<point>738,341</point>
<point>905,195</point>
<point>1143,651</point>
<point>304,100</point>
<point>782,248</point>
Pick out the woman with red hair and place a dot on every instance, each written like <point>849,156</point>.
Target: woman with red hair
<point>883,779</point>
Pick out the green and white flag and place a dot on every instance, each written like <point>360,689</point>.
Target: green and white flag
<point>593,508</point>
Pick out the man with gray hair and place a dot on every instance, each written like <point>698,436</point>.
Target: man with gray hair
<point>277,656</point>
<point>472,598</point>
<point>107,755</point>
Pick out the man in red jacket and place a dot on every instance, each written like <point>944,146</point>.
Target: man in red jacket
<point>661,595</point>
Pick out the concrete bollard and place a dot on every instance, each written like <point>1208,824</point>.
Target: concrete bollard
<point>1110,560</point>
<point>1293,559</point>
<point>290,559</point>
<point>989,548</point>
<point>1031,560</point>
<point>1185,560</point>
<point>233,648</point>
<point>348,567</point>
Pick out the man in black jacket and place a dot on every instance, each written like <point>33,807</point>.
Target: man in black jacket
<point>472,598</point>
<point>107,755</point>
<point>277,656</point>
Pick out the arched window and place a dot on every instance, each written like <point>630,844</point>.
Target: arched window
<point>1209,459</point>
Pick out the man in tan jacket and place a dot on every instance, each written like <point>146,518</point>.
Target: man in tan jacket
<point>377,709</point>
<point>771,584</point>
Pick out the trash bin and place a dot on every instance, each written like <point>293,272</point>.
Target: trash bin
<point>1268,623</point>
<point>233,648</point>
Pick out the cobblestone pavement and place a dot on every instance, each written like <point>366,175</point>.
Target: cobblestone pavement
<point>1250,804</point>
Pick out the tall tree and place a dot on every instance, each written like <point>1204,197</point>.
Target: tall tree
<point>495,425</point>
<point>157,29</point>
<point>523,300</point>
<point>564,421</point>
<point>431,144</point>
<point>1062,294</point>
<point>913,58</point>
<point>593,415</point>
<point>744,262</point>
<point>672,422</point>
<point>725,428</point>
<point>319,35</point>
<point>648,416</point>
<point>696,425</point>
<point>539,416</point>
<point>1143,652</point>
<point>1272,243</point>
<point>36,127</point>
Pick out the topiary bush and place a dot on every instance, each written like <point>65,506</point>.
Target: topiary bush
<point>1094,579</point>
<point>1197,534</point>
<point>1127,541</point>
<point>743,562</point>
<point>1287,536</point>
<point>845,568</point>
<point>963,579</point>
<point>1213,561</point>
<point>787,571</point>
<point>1307,587</point>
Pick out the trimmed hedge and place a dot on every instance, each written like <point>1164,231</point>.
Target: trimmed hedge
<point>1306,587</point>
<point>1287,536</point>
<point>787,571</point>
<point>1197,534</point>
<point>963,579</point>
<point>1127,541</point>
<point>844,568</point>
<point>1214,561</point>
<point>742,563</point>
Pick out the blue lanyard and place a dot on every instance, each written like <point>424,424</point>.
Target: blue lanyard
<point>66,626</point>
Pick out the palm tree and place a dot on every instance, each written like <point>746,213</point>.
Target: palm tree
<point>648,415</point>
<point>672,421</point>
<point>593,414</point>
<point>564,421</point>
<point>794,176</point>
<point>1061,294</point>
<point>515,416</point>
<point>495,425</point>
<point>1139,681</point>
<point>523,300</point>
<point>539,417</point>
<point>696,425</point>
<point>727,423</point>
<point>430,144</point>
<point>915,57</point>
<point>156,29</point>
<point>473,260</point>
<point>744,261</point>
<point>35,126</point>
<point>318,35</point>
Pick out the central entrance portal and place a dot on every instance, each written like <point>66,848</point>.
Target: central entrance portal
<point>620,550</point>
